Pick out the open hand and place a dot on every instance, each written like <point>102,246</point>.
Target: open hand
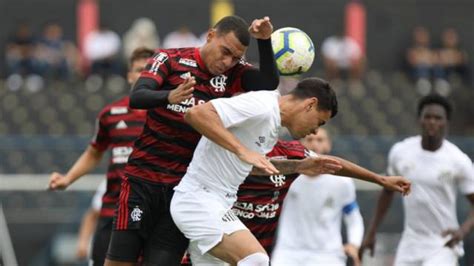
<point>183,92</point>
<point>258,161</point>
<point>261,28</point>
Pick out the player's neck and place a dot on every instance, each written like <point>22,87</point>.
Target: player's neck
<point>431,143</point>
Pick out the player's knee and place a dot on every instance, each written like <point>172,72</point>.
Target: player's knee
<point>255,259</point>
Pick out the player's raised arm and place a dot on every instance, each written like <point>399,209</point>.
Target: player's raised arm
<point>208,121</point>
<point>393,183</point>
<point>267,77</point>
<point>147,92</point>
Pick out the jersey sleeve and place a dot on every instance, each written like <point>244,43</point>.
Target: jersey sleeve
<point>238,109</point>
<point>392,158</point>
<point>465,176</point>
<point>158,67</point>
<point>101,138</point>
<point>348,195</point>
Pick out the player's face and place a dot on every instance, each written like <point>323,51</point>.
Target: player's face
<point>433,121</point>
<point>135,69</point>
<point>307,119</point>
<point>319,143</point>
<point>222,52</point>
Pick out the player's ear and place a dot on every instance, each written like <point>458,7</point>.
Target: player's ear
<point>311,103</point>
<point>211,33</point>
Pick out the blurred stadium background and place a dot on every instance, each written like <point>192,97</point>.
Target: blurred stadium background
<point>46,122</point>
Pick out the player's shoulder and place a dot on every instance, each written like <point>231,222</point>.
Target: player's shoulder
<point>242,65</point>
<point>118,107</point>
<point>288,149</point>
<point>455,152</point>
<point>408,143</point>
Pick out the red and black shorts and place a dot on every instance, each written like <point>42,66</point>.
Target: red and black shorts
<point>143,223</point>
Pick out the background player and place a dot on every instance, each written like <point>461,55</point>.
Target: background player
<point>437,168</point>
<point>117,127</point>
<point>309,231</point>
<point>175,80</point>
<point>89,222</point>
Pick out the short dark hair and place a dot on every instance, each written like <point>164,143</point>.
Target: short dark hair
<point>319,88</point>
<point>234,24</point>
<point>435,99</point>
<point>141,53</point>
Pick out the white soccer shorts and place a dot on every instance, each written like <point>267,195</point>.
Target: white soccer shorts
<point>204,216</point>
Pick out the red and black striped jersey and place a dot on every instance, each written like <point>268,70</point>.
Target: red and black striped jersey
<point>117,127</point>
<point>260,198</point>
<point>165,148</point>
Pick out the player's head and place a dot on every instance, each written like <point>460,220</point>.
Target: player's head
<point>434,111</point>
<point>319,142</point>
<point>310,105</point>
<point>137,63</point>
<point>226,44</point>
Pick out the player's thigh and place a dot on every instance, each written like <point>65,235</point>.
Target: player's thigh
<point>236,246</point>
<point>166,244</point>
<point>133,221</point>
<point>444,256</point>
<point>101,240</point>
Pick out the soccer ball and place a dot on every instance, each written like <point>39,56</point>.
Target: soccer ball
<point>293,50</point>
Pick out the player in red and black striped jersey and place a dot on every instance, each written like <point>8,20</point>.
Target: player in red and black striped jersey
<point>260,198</point>
<point>117,126</point>
<point>175,80</point>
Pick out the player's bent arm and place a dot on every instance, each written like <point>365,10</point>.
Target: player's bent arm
<point>89,159</point>
<point>205,119</point>
<point>396,183</point>
<point>310,166</point>
<point>145,94</point>
<point>267,77</point>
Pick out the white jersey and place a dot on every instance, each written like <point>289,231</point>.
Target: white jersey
<point>96,203</point>
<point>310,221</point>
<point>430,208</point>
<point>254,118</point>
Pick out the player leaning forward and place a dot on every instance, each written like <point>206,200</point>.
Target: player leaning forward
<point>237,133</point>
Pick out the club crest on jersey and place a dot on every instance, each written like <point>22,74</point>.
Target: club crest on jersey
<point>187,62</point>
<point>218,83</point>
<point>278,180</point>
<point>136,214</point>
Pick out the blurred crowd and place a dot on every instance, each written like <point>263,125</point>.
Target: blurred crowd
<point>33,59</point>
<point>434,67</point>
